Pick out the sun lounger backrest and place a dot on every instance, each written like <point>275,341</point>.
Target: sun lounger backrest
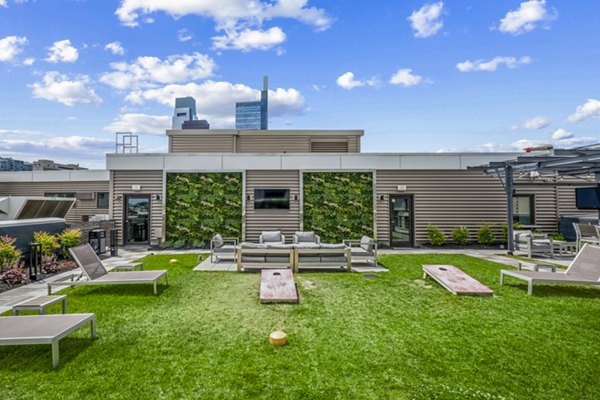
<point>88,261</point>
<point>586,263</point>
<point>587,230</point>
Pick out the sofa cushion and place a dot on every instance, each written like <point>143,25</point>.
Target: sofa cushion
<point>310,258</point>
<point>278,259</point>
<point>301,246</point>
<point>280,246</point>
<point>333,259</point>
<point>360,252</point>
<point>305,237</point>
<point>333,246</point>
<point>366,243</point>
<point>217,241</point>
<point>271,236</point>
<point>253,259</point>
<point>227,248</point>
<point>249,245</point>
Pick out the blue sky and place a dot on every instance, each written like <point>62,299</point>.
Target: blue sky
<point>479,75</point>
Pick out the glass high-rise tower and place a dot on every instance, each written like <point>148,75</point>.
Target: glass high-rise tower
<point>254,114</point>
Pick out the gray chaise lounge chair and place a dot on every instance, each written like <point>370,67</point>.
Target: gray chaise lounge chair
<point>42,329</point>
<point>586,234</point>
<point>95,273</point>
<point>584,270</point>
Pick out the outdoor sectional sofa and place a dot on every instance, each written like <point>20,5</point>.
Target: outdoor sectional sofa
<point>307,252</point>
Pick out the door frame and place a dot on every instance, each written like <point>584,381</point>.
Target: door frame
<point>126,212</point>
<point>411,231</point>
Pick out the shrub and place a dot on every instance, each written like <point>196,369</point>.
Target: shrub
<point>69,238</point>
<point>51,264</point>
<point>9,254</point>
<point>15,275</point>
<point>179,244</point>
<point>436,236</point>
<point>198,244</point>
<point>557,236</point>
<point>49,242</point>
<point>460,235</point>
<point>166,245</point>
<point>486,235</point>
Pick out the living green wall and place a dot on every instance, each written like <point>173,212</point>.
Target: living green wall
<point>200,205</point>
<point>338,205</point>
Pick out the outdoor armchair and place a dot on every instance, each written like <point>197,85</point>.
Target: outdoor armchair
<point>533,243</point>
<point>363,250</point>
<point>221,247</point>
<point>584,270</point>
<point>95,273</point>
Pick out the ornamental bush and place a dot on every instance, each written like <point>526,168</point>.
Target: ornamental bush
<point>9,254</point>
<point>486,235</point>
<point>460,235</point>
<point>436,236</point>
<point>49,242</point>
<point>70,237</point>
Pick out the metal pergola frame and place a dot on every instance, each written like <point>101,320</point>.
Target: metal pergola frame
<point>582,163</point>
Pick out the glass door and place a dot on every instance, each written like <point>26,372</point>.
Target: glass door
<point>401,221</point>
<point>137,219</point>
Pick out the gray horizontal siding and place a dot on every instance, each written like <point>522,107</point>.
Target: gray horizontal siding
<point>151,183</point>
<point>201,143</point>
<point>82,208</point>
<point>287,221</point>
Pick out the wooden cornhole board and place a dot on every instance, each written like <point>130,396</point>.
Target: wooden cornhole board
<point>277,286</point>
<point>456,281</point>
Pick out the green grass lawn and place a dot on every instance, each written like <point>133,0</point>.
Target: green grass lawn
<point>393,337</point>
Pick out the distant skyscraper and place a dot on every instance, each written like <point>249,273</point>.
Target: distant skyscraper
<point>254,114</point>
<point>8,164</point>
<point>185,110</point>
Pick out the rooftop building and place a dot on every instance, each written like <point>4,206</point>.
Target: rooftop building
<point>185,110</point>
<point>9,164</point>
<point>50,165</point>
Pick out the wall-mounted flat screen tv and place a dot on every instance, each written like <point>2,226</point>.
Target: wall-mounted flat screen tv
<point>271,199</point>
<point>588,198</point>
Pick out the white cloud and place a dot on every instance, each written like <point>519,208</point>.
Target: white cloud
<point>146,72</point>
<point>526,17</point>
<point>62,51</point>
<point>140,123</point>
<point>561,134</point>
<point>591,109</point>
<point>225,12</point>
<point>347,81</point>
<point>18,132</point>
<point>29,61</point>
<point>493,64</point>
<point>249,39</point>
<point>60,88</point>
<point>183,35</point>
<point>239,20</point>
<point>115,48</point>
<point>10,47</point>
<point>405,77</point>
<point>533,123</point>
<point>3,3</point>
<point>216,100</point>
<point>427,21</point>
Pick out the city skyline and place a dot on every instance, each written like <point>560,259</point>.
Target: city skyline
<point>415,75</point>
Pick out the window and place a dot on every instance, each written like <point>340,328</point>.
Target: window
<point>61,195</point>
<point>102,199</point>
<point>523,205</point>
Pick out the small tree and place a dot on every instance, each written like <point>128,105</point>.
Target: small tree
<point>49,242</point>
<point>460,235</point>
<point>486,235</point>
<point>436,236</point>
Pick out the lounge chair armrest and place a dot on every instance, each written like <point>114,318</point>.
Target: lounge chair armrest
<point>232,240</point>
<point>351,242</point>
<point>317,239</point>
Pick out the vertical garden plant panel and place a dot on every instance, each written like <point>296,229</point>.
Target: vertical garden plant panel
<point>338,205</point>
<point>200,205</point>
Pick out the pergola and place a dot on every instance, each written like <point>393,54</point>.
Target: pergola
<point>582,163</point>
